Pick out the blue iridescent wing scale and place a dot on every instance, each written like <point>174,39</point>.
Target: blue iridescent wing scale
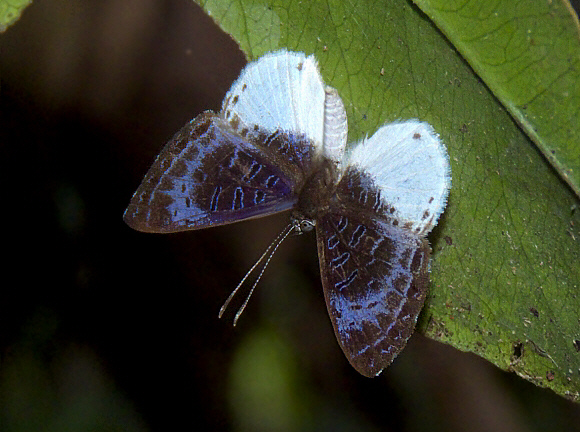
<point>210,174</point>
<point>374,274</point>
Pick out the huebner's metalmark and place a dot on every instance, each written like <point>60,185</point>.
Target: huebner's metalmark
<point>279,143</point>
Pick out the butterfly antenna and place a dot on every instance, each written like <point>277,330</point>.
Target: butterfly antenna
<point>273,247</point>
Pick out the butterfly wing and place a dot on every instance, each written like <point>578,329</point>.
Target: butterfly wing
<point>375,280</point>
<point>374,274</point>
<point>373,253</point>
<point>409,164</point>
<point>282,91</point>
<point>209,175</point>
<point>245,162</point>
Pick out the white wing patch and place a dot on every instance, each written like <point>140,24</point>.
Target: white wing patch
<point>280,91</point>
<point>410,165</point>
<point>284,91</point>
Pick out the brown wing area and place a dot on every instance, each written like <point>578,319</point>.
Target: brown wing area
<point>209,174</point>
<point>374,275</point>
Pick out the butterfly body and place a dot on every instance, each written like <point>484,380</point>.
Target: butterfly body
<point>279,143</point>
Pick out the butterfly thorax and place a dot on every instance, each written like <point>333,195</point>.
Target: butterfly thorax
<point>317,192</point>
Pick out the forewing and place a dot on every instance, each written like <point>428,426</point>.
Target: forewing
<point>281,91</point>
<point>375,280</point>
<point>410,166</point>
<point>209,174</point>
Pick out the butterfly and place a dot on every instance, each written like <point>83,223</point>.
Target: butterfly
<point>280,143</point>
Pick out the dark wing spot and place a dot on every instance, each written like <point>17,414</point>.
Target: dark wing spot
<point>340,260</point>
<point>342,224</point>
<point>215,198</point>
<point>238,198</point>
<point>357,235</point>
<point>254,170</point>
<point>199,175</point>
<point>165,165</point>
<point>332,242</point>
<point>271,181</point>
<point>346,282</point>
<point>400,284</point>
<point>259,197</point>
<point>201,128</point>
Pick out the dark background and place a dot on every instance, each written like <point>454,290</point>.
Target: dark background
<point>104,328</point>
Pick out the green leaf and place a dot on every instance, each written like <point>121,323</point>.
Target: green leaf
<point>10,11</point>
<point>528,53</point>
<point>505,270</point>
